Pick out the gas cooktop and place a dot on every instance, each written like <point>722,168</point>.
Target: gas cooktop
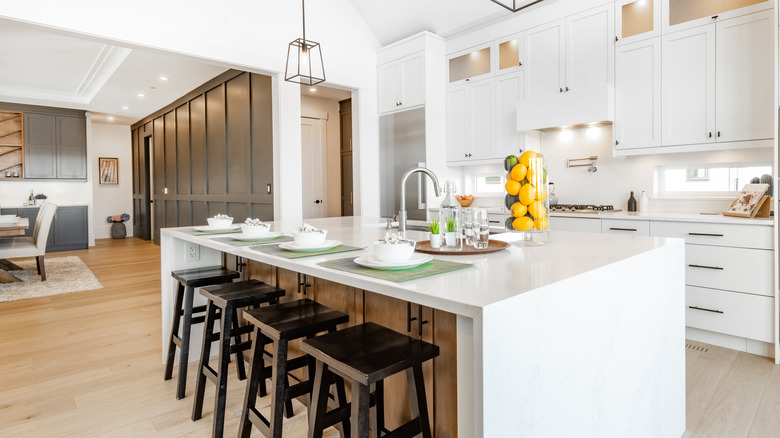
<point>582,208</point>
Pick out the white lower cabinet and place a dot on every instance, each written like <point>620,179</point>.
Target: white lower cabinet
<point>584,225</point>
<point>733,269</point>
<point>626,227</point>
<point>732,313</point>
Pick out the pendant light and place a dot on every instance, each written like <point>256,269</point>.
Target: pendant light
<point>515,5</point>
<point>304,59</point>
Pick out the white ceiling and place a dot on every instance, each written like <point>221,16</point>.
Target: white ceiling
<point>394,20</point>
<point>41,67</point>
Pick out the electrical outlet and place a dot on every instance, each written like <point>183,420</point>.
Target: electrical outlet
<point>191,252</point>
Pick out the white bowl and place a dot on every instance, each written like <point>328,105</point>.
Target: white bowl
<point>219,223</point>
<point>393,252</point>
<point>255,230</point>
<point>309,239</point>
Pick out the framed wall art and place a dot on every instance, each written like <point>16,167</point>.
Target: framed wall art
<point>109,170</point>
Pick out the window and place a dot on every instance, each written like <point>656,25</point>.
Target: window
<point>709,180</point>
<point>489,184</point>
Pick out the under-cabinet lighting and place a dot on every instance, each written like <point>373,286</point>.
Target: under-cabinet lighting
<point>125,107</point>
<point>140,94</point>
<point>163,78</point>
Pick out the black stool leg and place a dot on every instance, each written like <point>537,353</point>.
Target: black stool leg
<point>239,354</point>
<point>185,342</point>
<point>378,410</point>
<point>200,386</point>
<point>341,396</point>
<point>279,378</point>
<point>319,403</point>
<point>419,403</point>
<point>256,378</point>
<point>222,375</point>
<point>360,414</point>
<point>174,331</point>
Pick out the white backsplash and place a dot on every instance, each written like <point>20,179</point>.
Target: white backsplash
<point>616,176</point>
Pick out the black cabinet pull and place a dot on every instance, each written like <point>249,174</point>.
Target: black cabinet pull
<point>617,142</point>
<point>710,135</point>
<point>718,133</point>
<point>616,39</point>
<point>410,318</point>
<point>561,90</point>
<point>520,63</point>
<point>714,17</point>
<point>567,89</point>
<point>303,284</point>
<point>704,309</point>
<point>706,267</point>
<point>494,222</point>
<point>705,234</point>
<point>622,229</point>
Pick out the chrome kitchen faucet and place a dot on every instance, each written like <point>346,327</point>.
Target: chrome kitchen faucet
<point>402,211</point>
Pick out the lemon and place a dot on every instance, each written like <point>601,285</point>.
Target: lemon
<point>523,223</point>
<point>518,209</point>
<point>518,172</point>
<point>537,209</point>
<point>531,176</point>
<point>508,176</point>
<point>513,187</point>
<point>526,193</point>
<point>541,223</point>
<point>541,194</point>
<point>525,158</point>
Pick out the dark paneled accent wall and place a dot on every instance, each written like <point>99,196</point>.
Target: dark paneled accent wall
<point>212,150</point>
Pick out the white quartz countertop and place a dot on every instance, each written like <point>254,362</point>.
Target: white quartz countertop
<point>669,216</point>
<point>492,279</point>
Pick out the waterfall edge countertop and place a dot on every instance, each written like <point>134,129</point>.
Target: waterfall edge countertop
<point>498,276</point>
<point>583,337</point>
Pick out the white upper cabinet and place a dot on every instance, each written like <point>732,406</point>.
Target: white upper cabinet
<point>458,130</point>
<point>401,83</point>
<point>544,60</point>
<point>468,66</point>
<point>745,77</point>
<point>637,20</point>
<point>589,49</point>
<point>638,95</point>
<point>688,84</point>
<point>510,54</point>
<point>684,14</point>
<point>508,91</point>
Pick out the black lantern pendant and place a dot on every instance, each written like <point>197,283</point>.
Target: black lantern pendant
<point>516,5</point>
<point>304,59</point>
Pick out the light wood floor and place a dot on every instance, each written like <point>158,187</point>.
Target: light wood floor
<point>88,364</point>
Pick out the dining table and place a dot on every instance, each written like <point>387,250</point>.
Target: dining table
<point>16,228</point>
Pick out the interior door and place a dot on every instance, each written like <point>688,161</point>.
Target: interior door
<point>688,84</point>
<point>313,160</point>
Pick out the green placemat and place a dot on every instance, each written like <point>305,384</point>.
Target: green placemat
<point>195,232</point>
<point>275,250</point>
<point>234,242</point>
<point>433,267</point>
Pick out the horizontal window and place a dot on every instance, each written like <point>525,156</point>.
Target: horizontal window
<point>708,180</point>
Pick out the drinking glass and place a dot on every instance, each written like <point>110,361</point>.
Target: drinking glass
<point>481,228</point>
<point>469,228</point>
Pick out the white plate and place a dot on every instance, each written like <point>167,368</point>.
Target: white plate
<point>324,246</point>
<point>265,237</point>
<point>372,262</point>
<point>208,228</point>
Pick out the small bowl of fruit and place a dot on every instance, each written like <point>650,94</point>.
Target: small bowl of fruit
<point>465,200</point>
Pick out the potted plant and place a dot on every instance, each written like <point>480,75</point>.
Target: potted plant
<point>433,229</point>
<point>451,236</point>
<point>117,221</point>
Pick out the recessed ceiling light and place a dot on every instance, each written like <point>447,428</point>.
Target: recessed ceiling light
<point>140,94</point>
<point>111,118</point>
<point>125,107</point>
<point>313,89</point>
<point>163,78</point>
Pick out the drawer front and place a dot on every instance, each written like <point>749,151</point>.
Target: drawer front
<point>745,236</point>
<point>732,313</point>
<point>736,269</point>
<point>627,227</point>
<point>496,220</point>
<point>583,225</point>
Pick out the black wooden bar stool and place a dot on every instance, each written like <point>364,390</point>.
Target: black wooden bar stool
<point>283,323</point>
<point>224,300</point>
<point>365,355</point>
<point>188,280</point>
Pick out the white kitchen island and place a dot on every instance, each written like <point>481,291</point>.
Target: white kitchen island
<point>581,337</point>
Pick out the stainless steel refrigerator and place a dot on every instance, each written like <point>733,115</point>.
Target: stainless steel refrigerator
<point>402,147</point>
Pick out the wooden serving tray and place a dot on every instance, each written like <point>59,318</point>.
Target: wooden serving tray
<point>424,246</point>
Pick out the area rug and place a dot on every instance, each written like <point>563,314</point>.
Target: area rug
<point>63,276</point>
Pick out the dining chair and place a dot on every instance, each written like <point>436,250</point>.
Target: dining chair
<point>35,246</point>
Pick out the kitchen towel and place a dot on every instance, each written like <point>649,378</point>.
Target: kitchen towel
<point>275,250</point>
<point>433,267</point>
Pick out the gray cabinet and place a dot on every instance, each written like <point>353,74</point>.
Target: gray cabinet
<point>55,146</point>
<point>68,231</point>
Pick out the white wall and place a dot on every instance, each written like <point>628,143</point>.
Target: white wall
<point>617,176</point>
<point>111,141</point>
<point>312,106</point>
<point>253,36</point>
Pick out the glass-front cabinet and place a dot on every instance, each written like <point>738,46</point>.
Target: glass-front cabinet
<point>683,14</point>
<point>637,20</point>
<point>469,65</point>
<point>510,54</point>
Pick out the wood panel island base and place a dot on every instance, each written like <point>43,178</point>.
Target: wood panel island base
<point>582,337</point>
